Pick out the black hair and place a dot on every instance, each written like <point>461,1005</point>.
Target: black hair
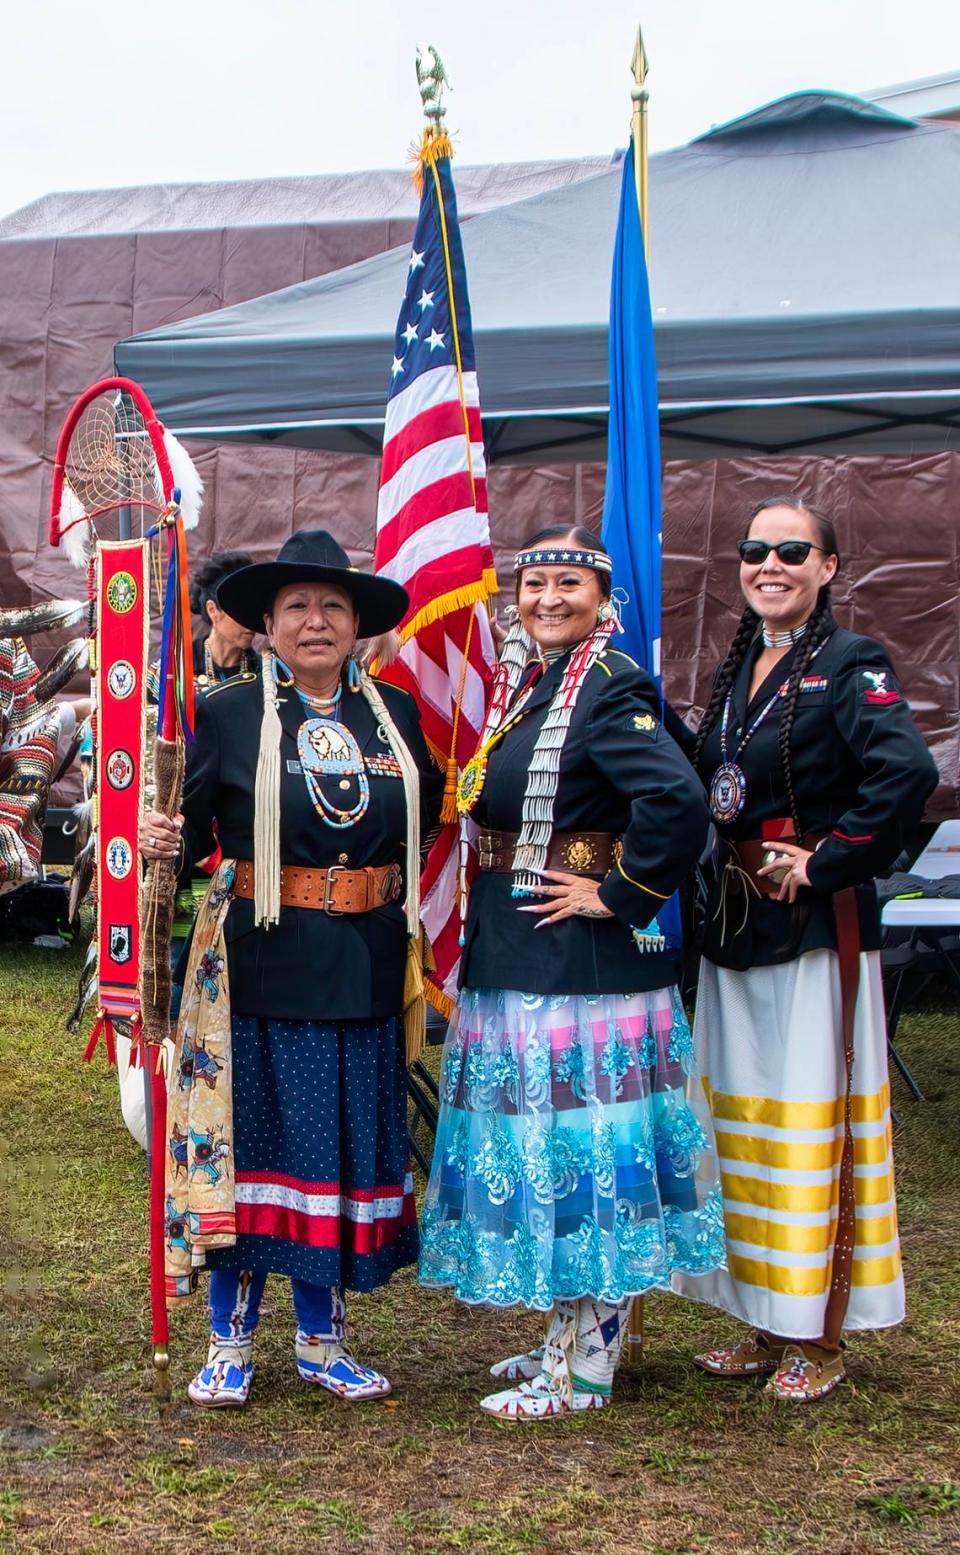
<point>574,534</point>
<point>819,627</point>
<point>203,584</point>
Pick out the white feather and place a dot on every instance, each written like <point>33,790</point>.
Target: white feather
<point>75,536</point>
<point>187,477</point>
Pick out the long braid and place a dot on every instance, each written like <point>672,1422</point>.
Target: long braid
<point>819,628</point>
<point>725,677</point>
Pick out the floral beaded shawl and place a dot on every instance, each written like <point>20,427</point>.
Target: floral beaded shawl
<point>200,1202</point>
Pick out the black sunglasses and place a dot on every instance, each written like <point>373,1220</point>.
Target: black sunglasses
<point>793,553</point>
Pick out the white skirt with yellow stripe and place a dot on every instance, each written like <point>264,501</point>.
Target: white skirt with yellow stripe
<point>769,1045</point>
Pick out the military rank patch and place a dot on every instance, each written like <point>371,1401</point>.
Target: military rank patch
<point>645,723</point>
<point>878,692</point>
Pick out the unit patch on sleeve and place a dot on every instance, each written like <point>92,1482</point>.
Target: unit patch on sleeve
<point>645,723</point>
<point>877,691</point>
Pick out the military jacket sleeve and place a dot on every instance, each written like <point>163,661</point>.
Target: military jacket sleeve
<point>874,722</point>
<point>668,824</point>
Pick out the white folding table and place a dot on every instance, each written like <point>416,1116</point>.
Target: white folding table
<point>928,918</point>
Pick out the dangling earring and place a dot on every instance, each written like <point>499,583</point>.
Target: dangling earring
<point>279,665</point>
<point>606,612</point>
<point>353,674</point>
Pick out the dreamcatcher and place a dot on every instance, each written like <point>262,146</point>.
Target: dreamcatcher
<point>124,491</point>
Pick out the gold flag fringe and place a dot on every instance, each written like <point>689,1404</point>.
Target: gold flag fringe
<point>441,1001</point>
<point>457,599</point>
<point>432,147</point>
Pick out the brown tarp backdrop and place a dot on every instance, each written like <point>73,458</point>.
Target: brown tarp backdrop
<point>66,300</point>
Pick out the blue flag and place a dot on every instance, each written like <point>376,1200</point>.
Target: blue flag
<point>632,524</point>
<point>631,502</point>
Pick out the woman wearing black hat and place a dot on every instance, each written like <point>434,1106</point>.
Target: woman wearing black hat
<point>319,781</point>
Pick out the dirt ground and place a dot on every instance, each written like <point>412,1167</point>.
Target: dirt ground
<point>682,1465</point>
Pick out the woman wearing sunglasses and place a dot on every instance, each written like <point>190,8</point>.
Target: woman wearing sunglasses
<point>816,776</point>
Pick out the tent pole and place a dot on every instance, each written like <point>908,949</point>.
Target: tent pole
<point>639,95</point>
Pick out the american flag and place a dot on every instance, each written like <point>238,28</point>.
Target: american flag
<point>433,535</point>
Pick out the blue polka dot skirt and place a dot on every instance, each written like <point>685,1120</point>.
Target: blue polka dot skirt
<point>323,1191</point>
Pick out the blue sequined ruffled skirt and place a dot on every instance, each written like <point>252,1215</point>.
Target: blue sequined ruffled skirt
<point>575,1155</point>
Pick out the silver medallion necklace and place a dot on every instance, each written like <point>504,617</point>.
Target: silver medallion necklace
<point>728,786</point>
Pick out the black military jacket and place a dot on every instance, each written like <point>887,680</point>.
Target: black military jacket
<point>620,772</point>
<point>311,965</point>
<point>861,776</point>
<point>222,676</point>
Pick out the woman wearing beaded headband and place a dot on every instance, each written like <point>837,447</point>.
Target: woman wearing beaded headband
<point>572,1169</point>
<point>318,780</point>
<point>817,776</point>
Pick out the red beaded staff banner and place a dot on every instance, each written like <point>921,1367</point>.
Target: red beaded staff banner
<point>122,598</point>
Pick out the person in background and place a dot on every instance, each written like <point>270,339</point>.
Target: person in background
<point>226,649</point>
<point>816,775</point>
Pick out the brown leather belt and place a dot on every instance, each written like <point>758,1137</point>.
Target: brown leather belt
<point>579,852</point>
<point>750,854</point>
<point>335,890</point>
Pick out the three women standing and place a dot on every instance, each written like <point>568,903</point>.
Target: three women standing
<point>817,776</point>
<point>574,1165</point>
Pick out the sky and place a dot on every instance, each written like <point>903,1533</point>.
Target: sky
<point>102,95</point>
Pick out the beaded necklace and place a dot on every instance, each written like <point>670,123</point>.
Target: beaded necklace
<point>327,749</point>
<point>210,668</point>
<point>785,639</point>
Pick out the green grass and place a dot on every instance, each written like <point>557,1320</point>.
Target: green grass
<point>682,1465</point>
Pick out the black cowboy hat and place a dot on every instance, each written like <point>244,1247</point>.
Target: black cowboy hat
<point>312,556</point>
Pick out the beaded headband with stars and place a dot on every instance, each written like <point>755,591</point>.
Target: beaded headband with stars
<point>555,556</point>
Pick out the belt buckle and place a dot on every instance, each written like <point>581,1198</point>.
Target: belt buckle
<point>334,869</point>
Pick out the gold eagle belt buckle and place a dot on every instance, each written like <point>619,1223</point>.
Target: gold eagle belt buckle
<point>579,854</point>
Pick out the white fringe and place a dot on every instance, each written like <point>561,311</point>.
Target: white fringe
<point>266,822</point>
<point>411,794</point>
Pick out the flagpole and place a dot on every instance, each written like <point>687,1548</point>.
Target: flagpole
<point>633,1350</point>
<point>641,172</point>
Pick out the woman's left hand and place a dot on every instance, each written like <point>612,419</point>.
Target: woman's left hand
<point>574,896</point>
<point>796,859</point>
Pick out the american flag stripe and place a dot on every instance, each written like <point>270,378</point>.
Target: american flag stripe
<point>426,487</point>
<point>431,425</point>
<point>432,387</point>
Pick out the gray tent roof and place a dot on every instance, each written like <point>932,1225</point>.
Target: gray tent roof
<point>385,194</point>
<point>805,295</point>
